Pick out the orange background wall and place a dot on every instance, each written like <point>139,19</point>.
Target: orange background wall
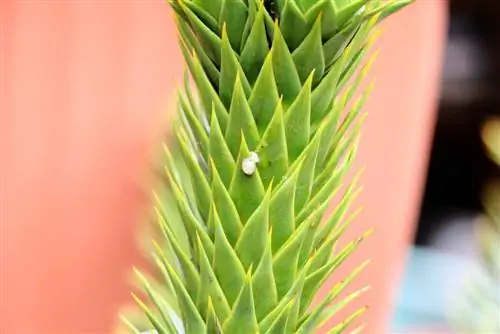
<point>84,88</point>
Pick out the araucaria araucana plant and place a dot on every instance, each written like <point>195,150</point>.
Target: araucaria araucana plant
<point>476,310</point>
<point>258,154</point>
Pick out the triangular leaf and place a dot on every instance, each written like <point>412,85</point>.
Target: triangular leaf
<point>211,42</point>
<point>243,318</point>
<point>308,57</point>
<point>264,97</point>
<point>246,191</point>
<point>286,260</point>
<point>281,214</point>
<point>240,121</point>
<point>298,122</point>
<point>198,177</point>
<point>210,287</point>
<point>224,205</point>
<point>228,268</point>
<point>256,48</point>
<point>264,290</point>
<point>272,149</point>
<point>220,153</point>
<point>252,242</point>
<point>192,319</point>
<point>230,69</point>
<point>234,15</point>
<point>293,25</point>
<point>285,73</point>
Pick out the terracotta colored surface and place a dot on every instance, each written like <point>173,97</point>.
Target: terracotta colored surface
<point>84,87</point>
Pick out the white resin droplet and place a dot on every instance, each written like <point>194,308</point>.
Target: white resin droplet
<point>249,165</point>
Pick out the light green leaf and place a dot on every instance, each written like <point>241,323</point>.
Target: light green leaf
<point>253,239</point>
<point>192,224</point>
<point>212,7</point>
<point>189,271</point>
<point>286,260</point>
<point>210,287</point>
<point>293,25</point>
<point>340,210</point>
<point>209,39</point>
<point>264,97</point>
<point>213,324</point>
<point>285,73</point>
<point>159,327</point>
<point>211,101</point>
<point>324,246</point>
<point>203,15</point>
<point>281,214</point>
<point>327,10</point>
<point>198,177</point>
<point>192,320</point>
<point>230,70</point>
<point>298,122</point>
<point>340,328</point>
<point>252,13</point>
<point>228,268</point>
<point>240,121</point>
<point>306,177</point>
<point>256,47</point>
<point>243,318</point>
<point>195,126</point>
<point>264,289</point>
<point>272,149</point>
<point>311,320</point>
<point>335,46</point>
<point>316,279</point>
<point>323,95</point>
<point>190,42</point>
<point>338,306</point>
<point>308,57</point>
<point>313,221</point>
<point>279,325</point>
<point>231,223</point>
<point>353,11</point>
<point>234,15</point>
<point>220,153</point>
<point>292,296</point>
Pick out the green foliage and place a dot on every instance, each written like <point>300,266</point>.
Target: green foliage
<point>479,302</point>
<point>240,253</point>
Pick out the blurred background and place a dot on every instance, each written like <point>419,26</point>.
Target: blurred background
<point>446,247</point>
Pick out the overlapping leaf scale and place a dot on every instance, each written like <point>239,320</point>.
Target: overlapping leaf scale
<point>251,250</point>
<point>250,31</point>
